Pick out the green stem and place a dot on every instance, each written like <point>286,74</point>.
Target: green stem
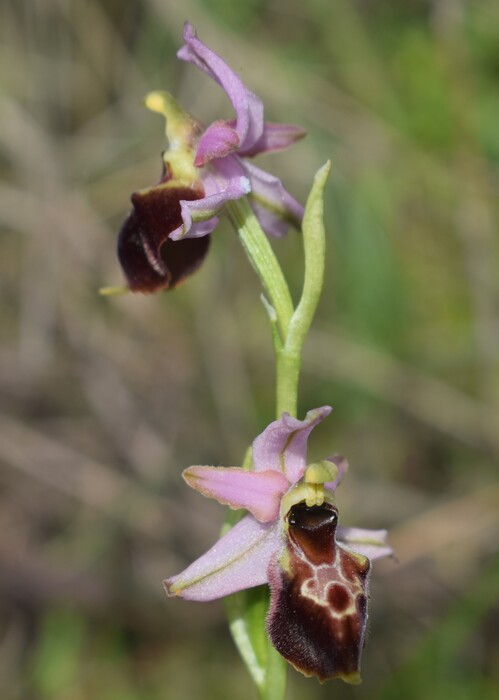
<point>287,374</point>
<point>263,260</point>
<point>246,610</point>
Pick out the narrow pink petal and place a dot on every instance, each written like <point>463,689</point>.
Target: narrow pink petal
<point>371,543</point>
<point>248,107</point>
<point>258,492</point>
<point>198,229</point>
<point>218,141</point>
<point>342,464</point>
<point>275,137</point>
<point>275,207</point>
<point>272,224</point>
<point>283,444</point>
<point>205,209</point>
<point>239,560</point>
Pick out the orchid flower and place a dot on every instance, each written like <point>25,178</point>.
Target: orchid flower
<point>166,235</point>
<point>317,572</point>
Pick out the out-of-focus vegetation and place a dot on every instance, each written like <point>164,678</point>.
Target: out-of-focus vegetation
<point>104,401</point>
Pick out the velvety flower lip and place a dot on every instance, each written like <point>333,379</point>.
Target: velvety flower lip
<point>150,260</point>
<point>317,572</point>
<point>203,170</point>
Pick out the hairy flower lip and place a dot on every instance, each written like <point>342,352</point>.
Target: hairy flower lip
<point>146,255</point>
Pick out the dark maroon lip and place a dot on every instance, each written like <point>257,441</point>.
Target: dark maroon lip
<point>150,260</point>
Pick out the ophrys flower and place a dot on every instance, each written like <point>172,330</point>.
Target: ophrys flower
<point>317,572</point>
<point>166,235</point>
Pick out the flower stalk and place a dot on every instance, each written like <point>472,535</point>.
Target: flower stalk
<point>247,610</point>
<point>261,256</point>
<point>293,324</point>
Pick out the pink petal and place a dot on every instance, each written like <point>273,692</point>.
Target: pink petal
<point>248,107</point>
<point>239,560</point>
<point>275,137</point>
<point>275,208</point>
<point>371,543</point>
<point>218,141</point>
<point>283,444</point>
<point>232,186</point>
<point>198,229</point>
<point>342,464</point>
<point>258,492</point>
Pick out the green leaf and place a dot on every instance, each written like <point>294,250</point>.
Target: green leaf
<point>246,612</point>
<point>314,245</point>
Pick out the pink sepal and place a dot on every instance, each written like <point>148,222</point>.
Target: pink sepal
<point>239,560</point>
<point>283,444</point>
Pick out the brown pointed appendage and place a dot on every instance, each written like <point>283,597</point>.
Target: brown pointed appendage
<point>150,260</point>
<point>318,611</point>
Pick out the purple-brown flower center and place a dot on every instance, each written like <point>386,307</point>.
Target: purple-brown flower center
<point>318,614</point>
<point>312,528</point>
<point>150,260</point>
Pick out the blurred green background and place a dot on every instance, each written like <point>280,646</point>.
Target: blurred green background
<point>105,400</point>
